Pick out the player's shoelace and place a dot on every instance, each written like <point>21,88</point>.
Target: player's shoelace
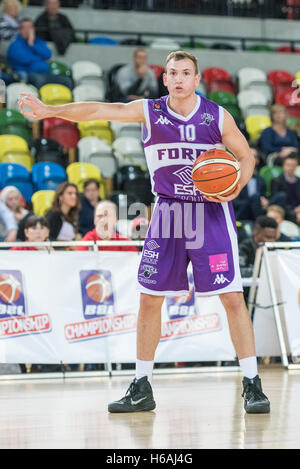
<point>253,391</point>
<point>131,389</point>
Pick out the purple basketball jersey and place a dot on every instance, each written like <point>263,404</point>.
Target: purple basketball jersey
<point>173,142</point>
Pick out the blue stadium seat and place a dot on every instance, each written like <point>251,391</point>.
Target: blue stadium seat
<point>47,176</point>
<point>12,174</point>
<point>103,41</point>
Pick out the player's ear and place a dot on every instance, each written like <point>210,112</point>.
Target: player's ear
<point>198,79</point>
<point>165,79</point>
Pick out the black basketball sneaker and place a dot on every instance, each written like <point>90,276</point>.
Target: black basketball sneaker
<point>255,401</point>
<point>138,398</point>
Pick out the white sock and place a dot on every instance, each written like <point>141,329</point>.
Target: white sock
<point>249,367</point>
<point>144,368</point>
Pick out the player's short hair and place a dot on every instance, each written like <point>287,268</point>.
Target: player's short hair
<point>263,222</point>
<point>181,55</point>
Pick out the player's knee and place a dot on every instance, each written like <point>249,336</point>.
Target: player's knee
<point>150,303</point>
<point>233,302</point>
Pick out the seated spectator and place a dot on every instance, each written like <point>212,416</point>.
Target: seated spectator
<point>36,231</point>
<point>137,80</point>
<point>286,187</point>
<point>27,53</point>
<point>54,26</point>
<point>8,224</point>
<point>252,201</point>
<point>62,218</point>
<point>264,230</point>
<point>11,196</point>
<point>89,200</point>
<point>9,22</point>
<point>105,221</point>
<point>278,139</point>
<point>287,230</point>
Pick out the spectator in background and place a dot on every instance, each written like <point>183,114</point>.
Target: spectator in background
<point>11,196</point>
<point>9,22</point>
<point>89,200</point>
<point>27,53</point>
<point>278,213</point>
<point>105,220</point>
<point>278,140</point>
<point>36,231</point>
<point>54,26</point>
<point>137,80</point>
<point>286,187</point>
<point>8,224</point>
<point>62,218</point>
<point>252,201</point>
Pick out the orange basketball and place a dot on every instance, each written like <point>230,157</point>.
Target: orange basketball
<point>10,288</point>
<point>97,288</point>
<point>216,172</point>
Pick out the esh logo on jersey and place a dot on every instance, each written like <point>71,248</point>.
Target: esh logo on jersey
<point>185,174</point>
<point>207,119</point>
<point>151,245</point>
<point>14,320</point>
<point>220,279</point>
<point>163,120</point>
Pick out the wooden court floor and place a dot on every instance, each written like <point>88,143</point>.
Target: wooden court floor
<point>193,411</point>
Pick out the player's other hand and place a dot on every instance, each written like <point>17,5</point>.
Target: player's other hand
<point>38,110</point>
<point>220,198</point>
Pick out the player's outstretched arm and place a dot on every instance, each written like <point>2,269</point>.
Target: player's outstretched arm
<point>82,111</point>
<point>235,141</point>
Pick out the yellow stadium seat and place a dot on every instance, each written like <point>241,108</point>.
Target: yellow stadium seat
<point>297,76</point>
<point>256,124</point>
<point>100,129</point>
<point>78,173</point>
<point>54,94</point>
<point>42,201</point>
<point>12,143</point>
<point>22,158</point>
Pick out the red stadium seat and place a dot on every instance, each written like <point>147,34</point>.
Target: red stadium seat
<point>288,50</point>
<point>221,85</point>
<point>157,69</point>
<point>277,77</point>
<point>64,132</point>
<point>214,73</point>
<point>287,97</point>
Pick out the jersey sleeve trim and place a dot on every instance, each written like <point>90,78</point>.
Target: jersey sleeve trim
<point>221,119</point>
<point>147,118</point>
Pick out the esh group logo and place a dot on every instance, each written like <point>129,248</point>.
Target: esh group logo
<point>184,318</point>
<point>98,305</point>
<point>14,320</point>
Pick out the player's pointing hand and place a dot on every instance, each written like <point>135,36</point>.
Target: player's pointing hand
<point>39,110</point>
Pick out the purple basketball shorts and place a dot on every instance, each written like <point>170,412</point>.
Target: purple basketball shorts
<point>183,232</point>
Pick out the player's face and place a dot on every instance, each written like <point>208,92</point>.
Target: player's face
<point>180,78</point>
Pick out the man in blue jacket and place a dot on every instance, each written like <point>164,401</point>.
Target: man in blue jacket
<point>27,53</point>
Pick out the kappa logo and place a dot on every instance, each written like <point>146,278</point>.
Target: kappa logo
<point>184,174</point>
<point>151,245</point>
<point>207,119</point>
<point>220,279</point>
<point>164,121</point>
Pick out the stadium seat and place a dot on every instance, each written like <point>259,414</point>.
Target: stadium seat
<point>12,143</point>
<point>40,79</point>
<point>12,122</point>
<point>234,110</point>
<point>99,153</point>
<point>55,94</point>
<point>98,129</point>
<point>164,43</point>
<point>263,88</point>
<point>210,74</point>
<point>85,68</point>
<point>44,150</point>
<point>129,151</point>
<point>12,174</point>
<point>269,173</point>
<point>288,50</point>
<point>64,132</point>
<point>78,173</point>
<point>194,45</point>
<point>103,41</point>
<point>287,97</point>
<point>256,124</point>
<point>220,85</point>
<point>47,176</point>
<point>279,77</point>
<point>88,93</point>
<point>260,48</point>
<point>42,202</point>
<point>248,98</point>
<point>18,157</point>
<point>248,75</point>
<point>126,129</point>
<point>157,69</point>
<point>222,97</point>
<point>222,46</point>
<point>123,202</point>
<point>59,68</point>
<point>134,181</point>
<point>13,92</point>
<point>257,110</point>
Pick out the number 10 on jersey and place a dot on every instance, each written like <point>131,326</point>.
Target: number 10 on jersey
<point>187,133</point>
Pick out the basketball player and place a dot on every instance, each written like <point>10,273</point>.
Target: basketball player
<point>176,129</point>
